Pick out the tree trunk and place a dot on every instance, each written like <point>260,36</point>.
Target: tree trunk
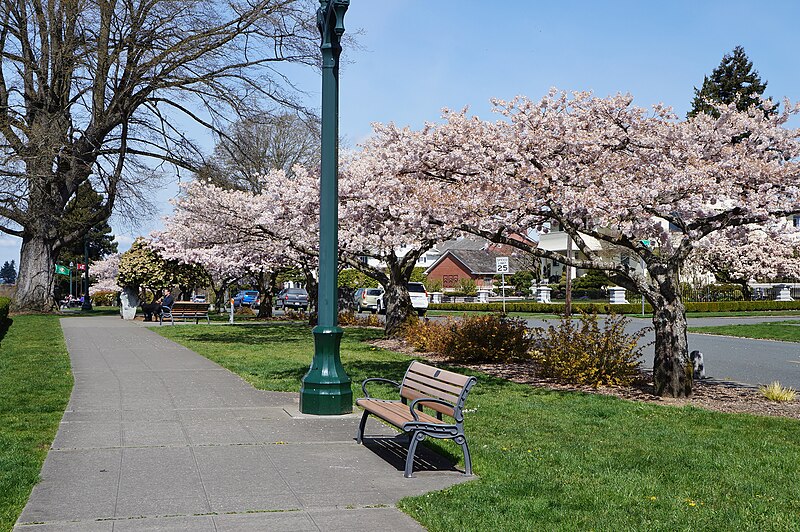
<point>672,369</point>
<point>312,288</point>
<point>36,279</point>
<point>265,295</point>
<point>398,309</point>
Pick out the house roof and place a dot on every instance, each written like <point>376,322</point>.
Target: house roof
<point>478,261</point>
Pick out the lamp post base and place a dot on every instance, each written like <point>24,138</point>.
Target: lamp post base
<point>325,389</point>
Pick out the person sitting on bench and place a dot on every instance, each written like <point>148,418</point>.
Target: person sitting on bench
<point>149,309</point>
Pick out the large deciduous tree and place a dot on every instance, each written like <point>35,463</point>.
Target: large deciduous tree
<point>606,169</point>
<point>95,90</point>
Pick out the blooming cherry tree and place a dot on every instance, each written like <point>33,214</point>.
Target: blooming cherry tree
<point>384,211</point>
<point>621,174</point>
<point>105,271</point>
<point>747,253</point>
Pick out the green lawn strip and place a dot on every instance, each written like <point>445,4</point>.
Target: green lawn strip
<point>35,383</point>
<point>787,331</point>
<point>561,460</point>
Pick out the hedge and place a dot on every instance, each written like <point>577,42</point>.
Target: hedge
<point>605,308</point>
<point>5,303</point>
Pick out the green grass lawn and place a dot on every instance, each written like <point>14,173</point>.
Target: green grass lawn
<point>561,460</point>
<point>35,383</point>
<point>787,331</point>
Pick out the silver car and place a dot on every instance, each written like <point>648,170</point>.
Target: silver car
<point>367,299</point>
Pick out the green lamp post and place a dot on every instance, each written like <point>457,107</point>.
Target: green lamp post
<point>325,389</point>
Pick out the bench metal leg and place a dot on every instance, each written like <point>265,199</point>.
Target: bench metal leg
<point>412,449</point>
<point>360,433</point>
<point>467,459</point>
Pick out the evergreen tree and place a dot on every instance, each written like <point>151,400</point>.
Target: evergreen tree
<point>8,273</point>
<point>101,240</point>
<point>733,81</point>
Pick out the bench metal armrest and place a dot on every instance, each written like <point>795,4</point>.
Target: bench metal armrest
<point>427,400</point>
<point>377,379</point>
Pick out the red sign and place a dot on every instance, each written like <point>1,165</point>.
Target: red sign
<point>81,267</point>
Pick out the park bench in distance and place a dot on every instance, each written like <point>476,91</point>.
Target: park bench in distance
<point>184,310</point>
<point>442,391</point>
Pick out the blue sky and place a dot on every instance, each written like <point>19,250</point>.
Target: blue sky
<point>417,56</point>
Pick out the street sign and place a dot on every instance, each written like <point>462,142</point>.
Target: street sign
<point>80,267</point>
<point>62,270</point>
<point>501,264</point>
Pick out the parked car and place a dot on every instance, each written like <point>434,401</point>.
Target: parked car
<point>367,299</point>
<point>296,298</point>
<point>419,299</point>
<point>245,298</point>
<point>199,298</point>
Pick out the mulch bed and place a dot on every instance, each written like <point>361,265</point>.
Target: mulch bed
<point>710,394</point>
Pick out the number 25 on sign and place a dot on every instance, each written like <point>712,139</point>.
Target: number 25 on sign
<point>501,263</point>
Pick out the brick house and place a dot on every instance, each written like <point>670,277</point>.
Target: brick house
<point>454,265</point>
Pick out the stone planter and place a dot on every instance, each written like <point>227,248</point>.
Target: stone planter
<point>129,300</point>
<point>617,295</point>
<point>543,294</point>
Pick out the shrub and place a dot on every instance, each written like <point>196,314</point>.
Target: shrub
<point>489,338</point>
<point>467,287</point>
<point>104,298</point>
<point>775,392</point>
<point>5,304</point>
<point>349,317</point>
<point>581,352</point>
<point>428,336</point>
<point>433,285</point>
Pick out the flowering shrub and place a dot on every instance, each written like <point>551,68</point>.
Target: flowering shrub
<point>348,317</point>
<point>581,352</point>
<point>488,338</point>
<point>104,298</point>
<point>472,339</point>
<point>428,336</point>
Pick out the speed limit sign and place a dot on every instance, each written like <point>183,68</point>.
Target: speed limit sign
<point>501,263</point>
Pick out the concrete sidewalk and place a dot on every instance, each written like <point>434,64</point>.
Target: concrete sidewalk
<point>158,438</point>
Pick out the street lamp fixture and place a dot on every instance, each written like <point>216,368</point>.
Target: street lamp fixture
<point>325,389</point>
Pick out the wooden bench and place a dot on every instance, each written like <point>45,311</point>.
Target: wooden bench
<point>184,310</point>
<point>442,392</point>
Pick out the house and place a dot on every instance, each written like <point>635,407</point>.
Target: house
<point>456,265</point>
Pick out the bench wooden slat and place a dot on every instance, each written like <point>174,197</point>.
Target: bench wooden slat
<point>442,386</point>
<point>412,395</point>
<point>442,374</point>
<point>428,391</point>
<point>394,412</point>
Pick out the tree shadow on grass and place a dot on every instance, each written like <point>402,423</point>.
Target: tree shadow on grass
<point>251,335</point>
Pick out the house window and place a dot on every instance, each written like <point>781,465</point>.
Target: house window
<point>797,221</point>
<point>449,281</point>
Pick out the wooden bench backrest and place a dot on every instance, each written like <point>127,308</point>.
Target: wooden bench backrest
<point>184,306</point>
<point>422,380</point>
